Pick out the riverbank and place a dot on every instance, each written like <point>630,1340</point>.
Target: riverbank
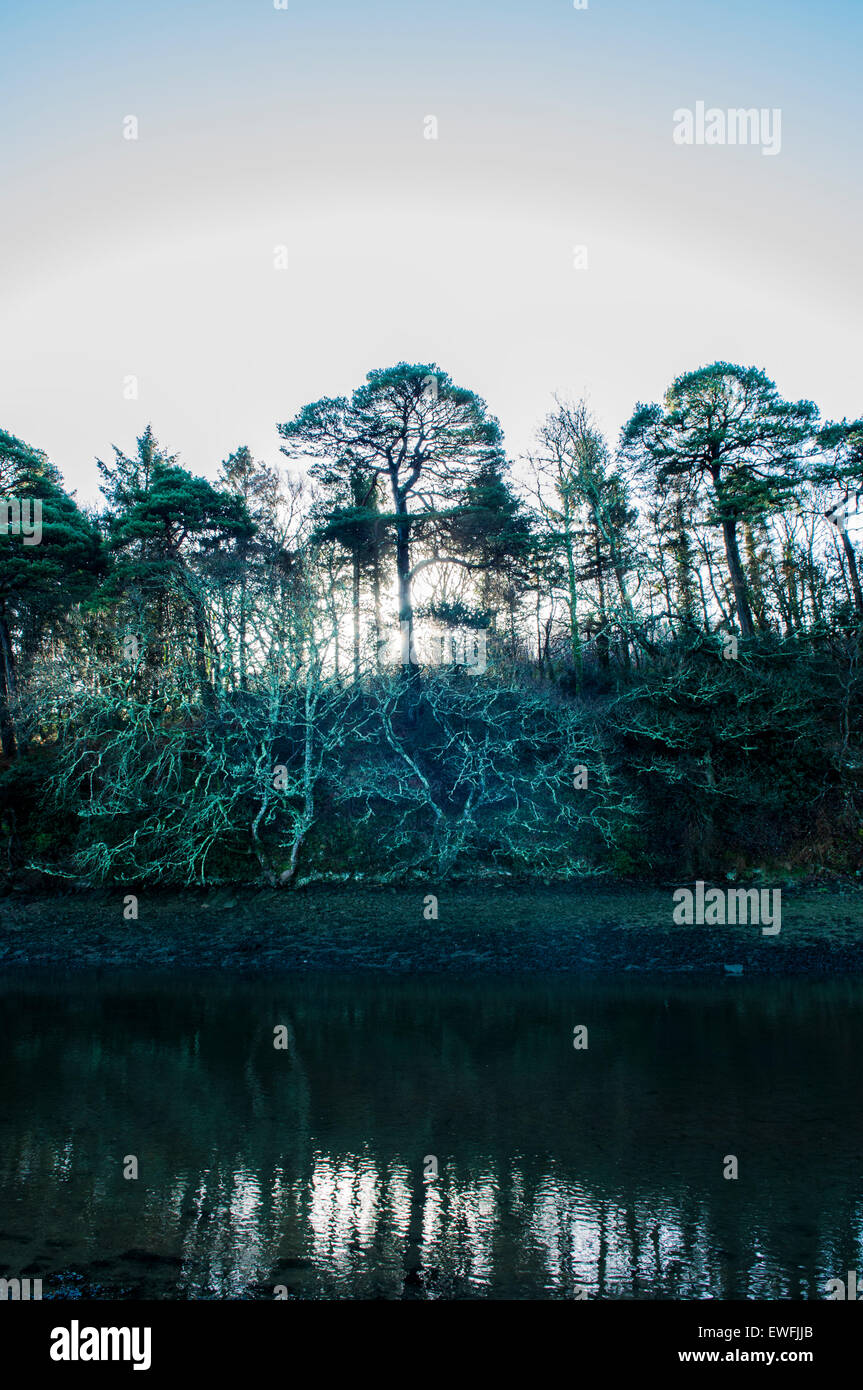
<point>582,928</point>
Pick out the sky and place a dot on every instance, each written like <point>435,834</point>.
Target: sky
<point>305,128</point>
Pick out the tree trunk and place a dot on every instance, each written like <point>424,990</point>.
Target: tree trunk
<point>738,577</point>
<point>403,571</point>
<point>602,634</point>
<point>575,640</point>
<point>356,613</point>
<point>682,552</point>
<point>756,585</point>
<point>208,698</point>
<point>854,573</point>
<point>376,599</point>
<point>789,572</point>
<point>244,680</point>
<point>307,815</point>
<point>7,692</point>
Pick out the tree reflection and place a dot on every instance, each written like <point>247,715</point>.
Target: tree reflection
<point>559,1175</point>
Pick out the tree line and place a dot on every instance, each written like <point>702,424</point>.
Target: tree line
<point>266,677</point>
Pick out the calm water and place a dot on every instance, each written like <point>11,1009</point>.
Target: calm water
<point>558,1170</point>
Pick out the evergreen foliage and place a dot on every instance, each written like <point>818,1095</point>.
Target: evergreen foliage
<point>419,658</point>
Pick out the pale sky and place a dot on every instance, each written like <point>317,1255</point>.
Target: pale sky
<point>259,128</point>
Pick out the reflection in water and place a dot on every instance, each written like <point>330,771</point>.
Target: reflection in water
<point>561,1173</point>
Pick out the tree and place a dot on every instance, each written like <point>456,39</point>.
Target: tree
<point>725,429</point>
<point>417,432</point>
<point>491,531</point>
<point>241,570</point>
<point>169,526</point>
<point>842,464</point>
<point>587,512</point>
<point>39,582</point>
<point>350,515</point>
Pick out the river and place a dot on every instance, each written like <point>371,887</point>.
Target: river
<point>435,1137</point>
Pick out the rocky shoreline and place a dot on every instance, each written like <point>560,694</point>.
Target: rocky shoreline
<point>582,928</point>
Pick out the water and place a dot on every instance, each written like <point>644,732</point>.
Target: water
<point>561,1173</point>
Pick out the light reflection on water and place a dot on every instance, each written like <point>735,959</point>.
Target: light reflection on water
<point>560,1172</point>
